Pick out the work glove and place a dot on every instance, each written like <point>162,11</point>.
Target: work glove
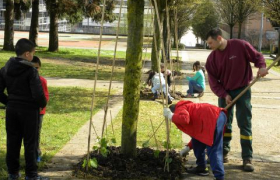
<point>185,151</point>
<point>167,113</point>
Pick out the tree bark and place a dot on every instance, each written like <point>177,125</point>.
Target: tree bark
<point>158,40</point>
<point>9,26</point>
<point>231,31</point>
<point>53,34</point>
<point>278,54</point>
<point>132,76</point>
<point>34,27</point>
<point>239,30</point>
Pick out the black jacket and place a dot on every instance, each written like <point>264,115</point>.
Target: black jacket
<point>23,85</point>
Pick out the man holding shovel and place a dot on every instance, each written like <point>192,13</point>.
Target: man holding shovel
<point>230,72</point>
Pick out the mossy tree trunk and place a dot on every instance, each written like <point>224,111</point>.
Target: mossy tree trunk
<point>34,27</point>
<point>161,6</point>
<point>131,92</point>
<point>9,26</point>
<point>53,34</point>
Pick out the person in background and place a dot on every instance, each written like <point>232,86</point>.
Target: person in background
<point>37,64</point>
<point>197,82</point>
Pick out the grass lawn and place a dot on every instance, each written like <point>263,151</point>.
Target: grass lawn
<point>65,67</point>
<point>275,68</point>
<point>67,110</point>
<point>149,110</point>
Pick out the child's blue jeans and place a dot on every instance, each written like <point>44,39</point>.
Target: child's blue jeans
<point>214,152</point>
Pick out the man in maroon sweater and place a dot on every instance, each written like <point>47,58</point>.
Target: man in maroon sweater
<point>229,72</point>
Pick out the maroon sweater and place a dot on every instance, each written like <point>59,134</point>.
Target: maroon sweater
<point>230,69</point>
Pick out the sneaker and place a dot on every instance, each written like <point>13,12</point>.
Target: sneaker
<point>201,171</point>
<point>36,178</point>
<point>190,96</point>
<point>13,176</point>
<point>248,166</point>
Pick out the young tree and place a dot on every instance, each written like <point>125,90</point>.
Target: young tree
<point>132,76</point>
<point>156,44</point>
<point>245,8</point>
<point>205,18</point>
<point>272,11</point>
<point>9,26</point>
<point>34,26</point>
<point>227,10</point>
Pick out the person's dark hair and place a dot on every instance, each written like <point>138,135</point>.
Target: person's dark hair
<point>172,107</point>
<point>197,65</point>
<point>214,33</point>
<point>36,60</point>
<point>24,45</point>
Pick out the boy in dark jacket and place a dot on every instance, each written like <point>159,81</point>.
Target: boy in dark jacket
<point>24,98</point>
<point>205,124</point>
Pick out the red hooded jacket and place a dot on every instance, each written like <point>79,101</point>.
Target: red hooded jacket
<point>198,120</point>
<point>46,92</point>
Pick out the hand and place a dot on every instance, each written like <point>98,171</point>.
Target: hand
<point>185,151</point>
<point>167,113</point>
<point>228,99</point>
<point>262,72</point>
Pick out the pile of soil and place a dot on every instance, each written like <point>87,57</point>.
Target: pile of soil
<point>146,93</point>
<point>144,166</point>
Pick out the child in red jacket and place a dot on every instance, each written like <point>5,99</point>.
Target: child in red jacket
<point>204,123</point>
<point>37,64</point>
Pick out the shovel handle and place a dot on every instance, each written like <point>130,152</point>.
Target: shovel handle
<point>250,85</point>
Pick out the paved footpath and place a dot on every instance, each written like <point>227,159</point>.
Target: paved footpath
<point>266,134</point>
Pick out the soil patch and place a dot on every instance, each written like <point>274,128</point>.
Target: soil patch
<point>144,166</point>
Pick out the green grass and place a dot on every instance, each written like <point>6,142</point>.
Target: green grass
<point>64,68</point>
<point>275,68</point>
<point>149,110</point>
<point>67,110</point>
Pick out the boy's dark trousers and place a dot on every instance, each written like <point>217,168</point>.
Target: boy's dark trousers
<point>21,124</point>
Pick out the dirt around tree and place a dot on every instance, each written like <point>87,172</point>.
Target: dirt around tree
<point>146,165</point>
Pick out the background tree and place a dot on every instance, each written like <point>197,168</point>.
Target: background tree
<point>9,26</point>
<point>34,26</point>
<point>245,8</point>
<point>204,19</point>
<point>156,44</point>
<point>14,10</point>
<point>227,10</point>
<point>132,76</point>
<point>74,11</point>
<point>272,11</point>
<point>185,11</point>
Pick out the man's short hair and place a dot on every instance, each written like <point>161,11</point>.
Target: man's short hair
<point>172,107</point>
<point>214,33</point>
<point>36,60</point>
<point>24,45</point>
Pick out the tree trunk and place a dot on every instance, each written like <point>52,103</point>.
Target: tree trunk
<point>53,34</point>
<point>278,54</point>
<point>34,27</point>
<point>157,34</point>
<point>9,26</point>
<point>239,30</point>
<point>132,76</point>
<point>231,31</point>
